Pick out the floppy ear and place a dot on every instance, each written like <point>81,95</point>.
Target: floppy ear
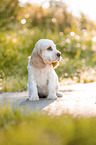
<point>36,59</point>
<point>55,64</point>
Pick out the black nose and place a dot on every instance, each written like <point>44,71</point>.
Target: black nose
<point>58,54</point>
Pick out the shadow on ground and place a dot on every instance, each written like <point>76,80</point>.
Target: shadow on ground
<point>36,105</point>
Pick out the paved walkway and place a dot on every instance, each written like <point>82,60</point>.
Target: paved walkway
<point>79,99</point>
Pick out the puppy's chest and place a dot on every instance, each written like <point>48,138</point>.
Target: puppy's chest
<point>41,78</point>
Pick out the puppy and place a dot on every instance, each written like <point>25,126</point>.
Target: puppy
<point>42,79</point>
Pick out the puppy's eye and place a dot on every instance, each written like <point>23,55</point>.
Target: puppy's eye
<point>49,48</point>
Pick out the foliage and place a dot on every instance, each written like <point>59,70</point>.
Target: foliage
<point>55,18</point>
<point>74,37</point>
<point>8,12</point>
<point>18,127</point>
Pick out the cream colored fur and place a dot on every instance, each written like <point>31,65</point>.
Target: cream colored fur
<point>42,78</point>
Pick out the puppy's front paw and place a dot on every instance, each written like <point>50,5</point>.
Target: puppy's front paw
<point>59,94</point>
<point>33,98</point>
<point>52,97</point>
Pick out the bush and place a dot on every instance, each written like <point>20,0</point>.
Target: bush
<point>15,47</point>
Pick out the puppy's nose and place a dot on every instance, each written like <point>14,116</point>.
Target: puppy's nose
<point>58,54</point>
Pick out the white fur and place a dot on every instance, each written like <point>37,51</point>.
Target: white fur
<point>43,80</point>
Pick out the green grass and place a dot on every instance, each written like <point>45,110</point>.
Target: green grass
<point>19,128</point>
<point>14,83</point>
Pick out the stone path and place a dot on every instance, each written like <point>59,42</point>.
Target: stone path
<point>79,99</point>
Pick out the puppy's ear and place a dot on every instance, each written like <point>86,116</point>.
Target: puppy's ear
<point>55,64</point>
<point>36,59</point>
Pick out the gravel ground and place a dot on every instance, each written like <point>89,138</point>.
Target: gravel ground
<point>79,99</point>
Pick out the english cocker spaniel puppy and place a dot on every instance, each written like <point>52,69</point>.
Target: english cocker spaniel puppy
<point>42,79</point>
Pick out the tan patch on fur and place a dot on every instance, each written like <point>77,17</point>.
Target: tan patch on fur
<point>55,64</point>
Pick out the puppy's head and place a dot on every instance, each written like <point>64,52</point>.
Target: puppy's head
<point>44,53</point>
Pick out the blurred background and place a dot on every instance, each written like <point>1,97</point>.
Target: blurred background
<point>70,24</point>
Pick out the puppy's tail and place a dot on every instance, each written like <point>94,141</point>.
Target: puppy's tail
<point>29,57</point>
